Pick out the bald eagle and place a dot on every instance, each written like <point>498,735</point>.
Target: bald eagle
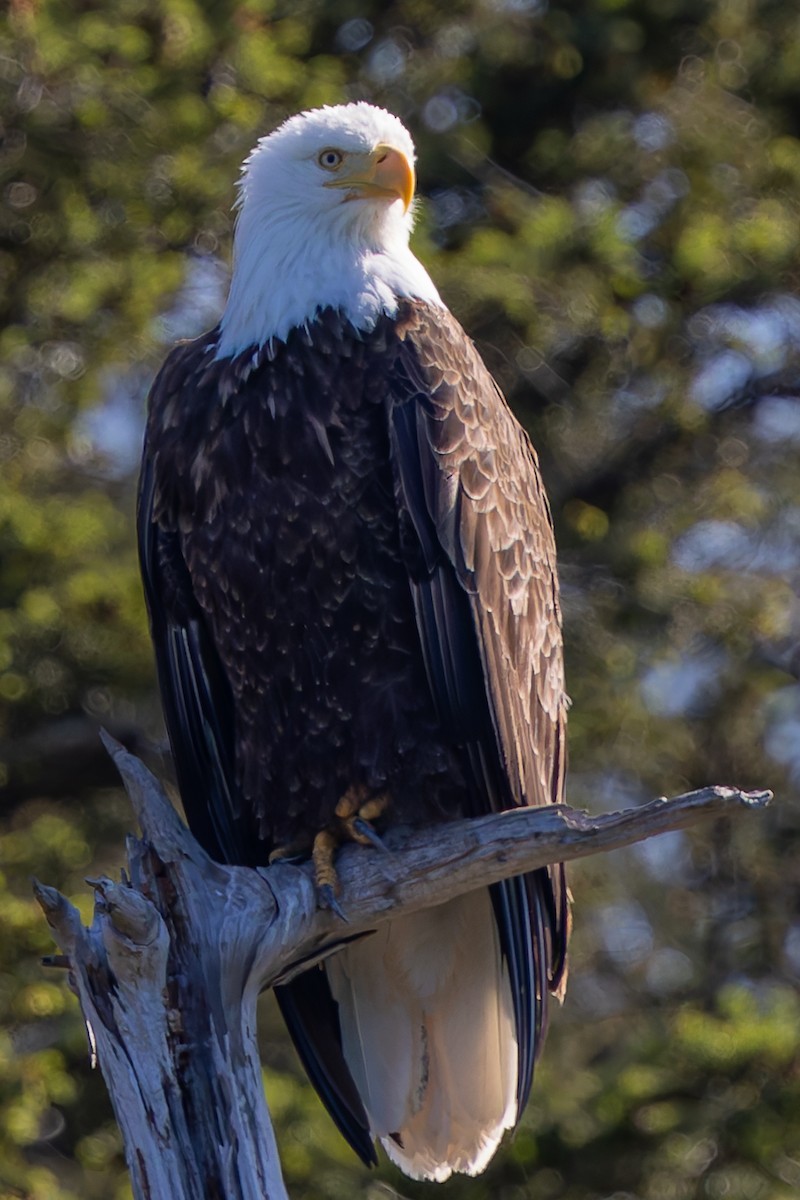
<point>349,565</point>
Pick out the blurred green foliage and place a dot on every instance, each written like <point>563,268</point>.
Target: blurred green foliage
<point>611,208</point>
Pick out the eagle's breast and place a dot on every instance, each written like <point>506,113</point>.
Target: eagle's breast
<point>285,508</point>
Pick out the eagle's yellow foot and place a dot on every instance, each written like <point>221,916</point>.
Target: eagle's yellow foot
<point>356,811</point>
<point>353,816</point>
<point>325,846</point>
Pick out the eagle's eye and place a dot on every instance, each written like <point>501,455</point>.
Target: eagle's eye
<point>330,159</point>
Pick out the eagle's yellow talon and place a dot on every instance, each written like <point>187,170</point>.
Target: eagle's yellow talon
<point>326,844</point>
<point>357,817</point>
<point>374,808</point>
<point>354,812</point>
<point>350,803</point>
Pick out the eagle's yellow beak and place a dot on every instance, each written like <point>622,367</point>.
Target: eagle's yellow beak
<point>383,173</point>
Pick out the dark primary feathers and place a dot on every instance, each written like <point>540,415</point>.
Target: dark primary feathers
<point>350,571</point>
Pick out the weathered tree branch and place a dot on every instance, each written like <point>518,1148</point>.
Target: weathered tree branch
<point>170,970</point>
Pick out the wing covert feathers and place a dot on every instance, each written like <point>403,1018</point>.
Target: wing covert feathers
<point>479,488</point>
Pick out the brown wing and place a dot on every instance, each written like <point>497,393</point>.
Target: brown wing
<point>493,520</point>
<point>481,554</point>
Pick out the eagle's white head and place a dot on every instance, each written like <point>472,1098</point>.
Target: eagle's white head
<point>325,216</point>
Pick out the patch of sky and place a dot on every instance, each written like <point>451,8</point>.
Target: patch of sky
<point>653,132</point>
<point>592,197</point>
<point>727,545</point>
<point>684,687</point>
<point>650,311</point>
<point>440,113</point>
<point>454,41</point>
<point>625,933</point>
<point>448,108</point>
<point>387,61</point>
<point>452,206</point>
<point>657,199</point>
<point>720,379</point>
<point>777,419</point>
<point>354,35</point>
<point>605,792</point>
<point>110,434</point>
<point>712,544</point>
<point>198,304</point>
<point>638,395</point>
<point>636,221</point>
<point>666,858</point>
<point>669,971</point>
<point>597,995</point>
<point>734,345</point>
<point>782,729</point>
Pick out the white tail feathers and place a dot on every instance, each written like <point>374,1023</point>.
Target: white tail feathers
<point>428,1033</point>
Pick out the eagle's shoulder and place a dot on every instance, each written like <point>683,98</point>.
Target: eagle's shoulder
<point>476,439</point>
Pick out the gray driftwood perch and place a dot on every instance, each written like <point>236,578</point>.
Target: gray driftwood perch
<point>170,970</point>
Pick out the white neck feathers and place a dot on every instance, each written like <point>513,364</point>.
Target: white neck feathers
<point>303,244</point>
<point>288,267</point>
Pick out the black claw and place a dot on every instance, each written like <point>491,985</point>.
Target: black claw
<point>365,829</point>
<point>327,899</point>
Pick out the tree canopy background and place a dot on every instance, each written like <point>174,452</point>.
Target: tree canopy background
<point>610,205</point>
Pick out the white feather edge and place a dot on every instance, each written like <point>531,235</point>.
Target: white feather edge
<point>428,1033</point>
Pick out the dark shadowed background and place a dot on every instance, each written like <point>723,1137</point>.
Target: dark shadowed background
<point>610,205</point>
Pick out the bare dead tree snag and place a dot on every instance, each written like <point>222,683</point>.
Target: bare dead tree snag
<point>169,972</point>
